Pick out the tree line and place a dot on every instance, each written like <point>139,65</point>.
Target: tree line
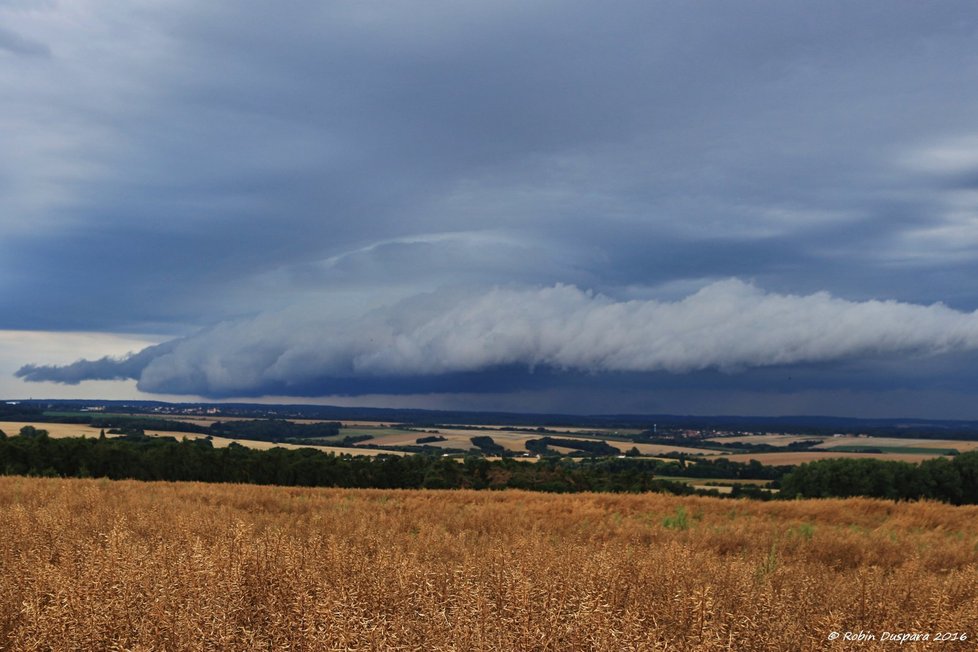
<point>948,479</point>
<point>165,458</point>
<point>953,480</point>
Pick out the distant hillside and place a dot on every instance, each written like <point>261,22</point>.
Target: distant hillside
<point>796,424</point>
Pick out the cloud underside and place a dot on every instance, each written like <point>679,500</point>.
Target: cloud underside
<point>178,164</point>
<point>507,339</point>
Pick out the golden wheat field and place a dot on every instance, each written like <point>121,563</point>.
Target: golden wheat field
<point>101,565</point>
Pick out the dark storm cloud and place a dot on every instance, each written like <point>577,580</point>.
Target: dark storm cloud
<point>171,167</point>
<point>235,141</point>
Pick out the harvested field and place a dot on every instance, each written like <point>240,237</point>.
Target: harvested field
<point>221,442</point>
<point>513,441</point>
<point>961,446</point>
<point>777,459</point>
<point>662,449</point>
<point>82,430</point>
<point>897,442</point>
<point>730,481</point>
<point>719,488</point>
<point>100,565</point>
<point>771,440</point>
<point>395,437</point>
<point>553,430</point>
<point>54,429</point>
<point>209,420</point>
<point>563,450</point>
<point>454,438</point>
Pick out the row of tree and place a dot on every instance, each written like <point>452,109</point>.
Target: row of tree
<point>948,479</point>
<point>275,430</point>
<point>953,480</point>
<point>163,458</point>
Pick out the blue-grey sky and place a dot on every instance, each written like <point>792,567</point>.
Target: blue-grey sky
<point>714,207</point>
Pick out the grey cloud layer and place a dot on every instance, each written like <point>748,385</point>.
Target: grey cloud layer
<point>18,44</point>
<point>730,325</point>
<point>183,162</point>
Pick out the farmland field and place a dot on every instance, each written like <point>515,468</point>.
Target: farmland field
<point>897,442</point>
<point>827,443</point>
<point>209,420</point>
<point>95,564</point>
<point>58,430</point>
<point>54,429</point>
<point>454,438</point>
<point>800,457</point>
<point>380,437</point>
<point>221,442</point>
<point>772,440</point>
<point>720,485</point>
<point>692,480</point>
<point>383,437</point>
<point>892,449</point>
<point>580,430</point>
<point>510,440</point>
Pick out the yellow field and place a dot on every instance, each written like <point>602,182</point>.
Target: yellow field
<point>100,565</point>
<point>777,459</point>
<point>516,441</point>
<point>961,446</point>
<point>209,420</point>
<point>557,430</point>
<point>222,442</point>
<point>773,440</point>
<point>82,430</point>
<point>661,449</point>
<point>453,439</point>
<point>830,442</point>
<point>722,489</point>
<point>54,429</point>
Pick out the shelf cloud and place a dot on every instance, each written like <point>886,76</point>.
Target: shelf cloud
<point>730,326</point>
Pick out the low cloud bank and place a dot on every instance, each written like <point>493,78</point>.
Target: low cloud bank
<point>433,341</point>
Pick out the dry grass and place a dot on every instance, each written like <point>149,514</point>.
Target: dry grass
<point>99,565</point>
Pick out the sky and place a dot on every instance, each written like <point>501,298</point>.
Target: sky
<point>651,207</point>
